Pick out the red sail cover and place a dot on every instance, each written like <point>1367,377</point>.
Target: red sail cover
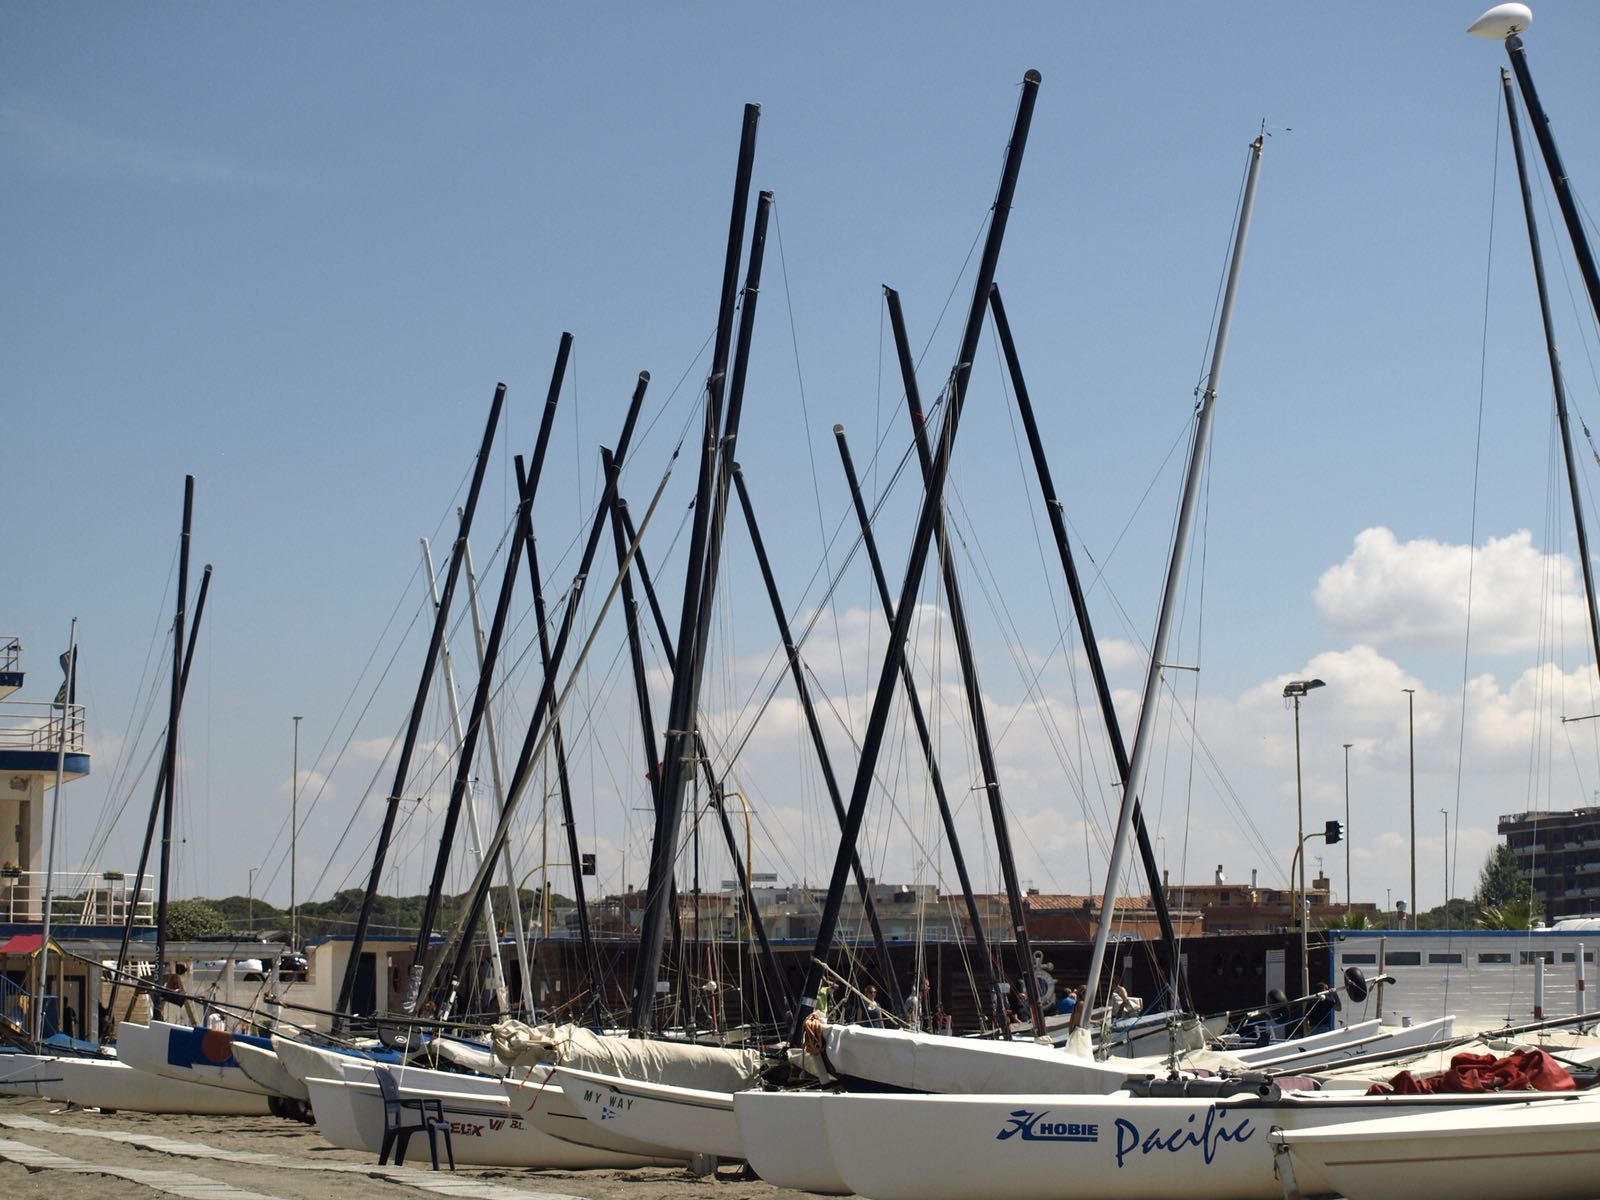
<point>1525,1071</point>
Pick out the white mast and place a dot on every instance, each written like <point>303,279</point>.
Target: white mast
<point>1080,1042</point>
<point>501,998</point>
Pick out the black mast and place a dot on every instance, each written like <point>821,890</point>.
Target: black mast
<point>883,697</point>
<point>919,719</point>
<point>814,727</point>
<point>1556,381</point>
<point>1558,173</point>
<point>403,768</point>
<point>700,572</point>
<point>170,761</point>
<point>569,822</point>
<point>467,752</point>
<point>969,677</point>
<point>626,537</point>
<point>545,704</point>
<point>155,800</point>
<point>1091,646</point>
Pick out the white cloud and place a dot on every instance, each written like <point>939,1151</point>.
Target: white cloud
<point>1415,594</point>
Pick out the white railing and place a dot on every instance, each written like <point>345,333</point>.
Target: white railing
<point>10,652</point>
<point>37,725</point>
<point>76,897</point>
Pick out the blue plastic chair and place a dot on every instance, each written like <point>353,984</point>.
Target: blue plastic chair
<point>403,1116</point>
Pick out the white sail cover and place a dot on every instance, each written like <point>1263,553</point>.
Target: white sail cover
<point>680,1064</point>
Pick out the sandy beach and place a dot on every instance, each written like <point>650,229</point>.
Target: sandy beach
<point>50,1153</point>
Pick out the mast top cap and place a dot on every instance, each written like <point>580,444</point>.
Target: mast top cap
<point>1502,21</point>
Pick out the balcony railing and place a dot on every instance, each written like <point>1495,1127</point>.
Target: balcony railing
<point>38,725</point>
<point>76,897</point>
<point>10,652</point>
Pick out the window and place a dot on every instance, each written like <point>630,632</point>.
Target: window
<point>1365,959</point>
<point>1494,959</point>
<point>1529,957</point>
<point>1444,958</point>
<point>1568,956</point>
<point>1404,958</point>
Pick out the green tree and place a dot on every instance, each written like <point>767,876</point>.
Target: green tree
<point>1513,914</point>
<point>1501,880</point>
<point>189,919</point>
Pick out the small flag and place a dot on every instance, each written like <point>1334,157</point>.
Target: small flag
<point>68,692</point>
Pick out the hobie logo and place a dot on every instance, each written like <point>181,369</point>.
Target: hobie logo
<point>1032,1127</point>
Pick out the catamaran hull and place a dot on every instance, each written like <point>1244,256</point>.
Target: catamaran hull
<point>484,1130</point>
<point>185,1052</point>
<point>106,1083</point>
<point>1109,1147</point>
<point>1548,1148</point>
<point>785,1142</point>
<point>680,1121</point>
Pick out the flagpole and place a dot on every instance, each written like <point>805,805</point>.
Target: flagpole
<point>68,695</point>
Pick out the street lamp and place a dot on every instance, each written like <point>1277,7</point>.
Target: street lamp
<point>1294,690</point>
<point>294,838</point>
<point>1349,891</point>
<point>1411,726</point>
<point>250,898</point>
<point>1446,814</point>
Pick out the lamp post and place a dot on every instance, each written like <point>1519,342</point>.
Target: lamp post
<point>294,838</point>
<point>250,898</point>
<point>1294,690</point>
<point>1411,737</point>
<point>1446,814</point>
<point>1349,891</point>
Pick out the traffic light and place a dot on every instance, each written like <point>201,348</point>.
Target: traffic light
<point>587,861</point>
<point>1334,832</point>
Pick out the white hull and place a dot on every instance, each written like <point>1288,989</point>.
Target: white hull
<point>302,1061</point>
<point>681,1121</point>
<point>785,1142</point>
<point>1108,1147</point>
<point>484,1130</point>
<point>108,1084</point>
<point>160,1048</point>
<point>1549,1148</point>
<point>1355,1041</point>
<point>924,1062</point>
<point>541,1102</point>
<point>263,1067</point>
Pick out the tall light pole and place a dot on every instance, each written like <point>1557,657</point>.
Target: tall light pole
<point>294,839</point>
<point>1411,728</point>
<point>250,898</point>
<point>1349,894</point>
<point>1446,813</point>
<point>1294,690</point>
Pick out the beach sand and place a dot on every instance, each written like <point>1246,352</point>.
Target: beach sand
<point>47,1153</point>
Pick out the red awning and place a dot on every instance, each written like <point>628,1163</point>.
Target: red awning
<point>23,943</point>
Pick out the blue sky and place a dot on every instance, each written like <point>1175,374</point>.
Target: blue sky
<point>291,250</point>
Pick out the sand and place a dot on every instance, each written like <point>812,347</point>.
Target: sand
<point>300,1165</point>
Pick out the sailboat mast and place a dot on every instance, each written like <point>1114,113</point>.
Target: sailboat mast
<point>41,976</point>
<point>1080,1042</point>
<point>1091,646</point>
<point>1558,173</point>
<point>1557,383</point>
<point>474,837</point>
<point>818,741</point>
<point>155,802</point>
<point>548,702</point>
<point>888,678</point>
<point>699,573</point>
<point>174,707</point>
<point>919,719</point>
<point>418,705</point>
<point>518,933</point>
